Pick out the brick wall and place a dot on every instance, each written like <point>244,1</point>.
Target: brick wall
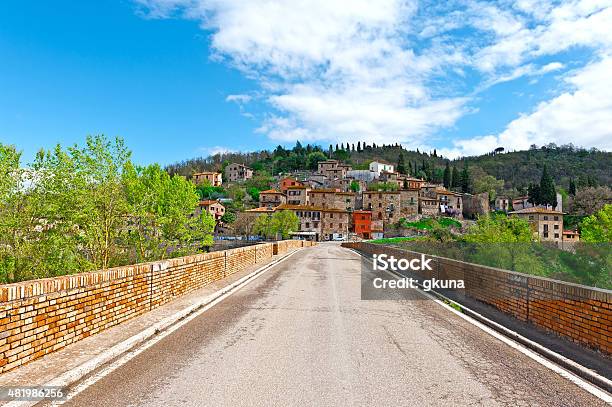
<point>582,314</point>
<point>38,317</point>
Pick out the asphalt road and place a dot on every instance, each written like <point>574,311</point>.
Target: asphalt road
<point>301,335</point>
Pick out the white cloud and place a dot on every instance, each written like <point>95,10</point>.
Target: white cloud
<point>396,71</point>
<point>238,98</point>
<point>581,115</point>
<point>216,150</point>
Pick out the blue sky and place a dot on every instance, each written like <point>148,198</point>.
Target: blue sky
<point>184,78</point>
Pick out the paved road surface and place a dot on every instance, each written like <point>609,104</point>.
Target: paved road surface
<point>300,335</point>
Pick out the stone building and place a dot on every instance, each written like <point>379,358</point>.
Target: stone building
<point>271,198</point>
<point>428,206</point>
<point>385,206</point>
<point>235,172</point>
<point>214,178</point>
<point>330,198</point>
<point>409,202</point>
<point>547,223</point>
<point>298,195</point>
<point>502,203</point>
<point>475,205</point>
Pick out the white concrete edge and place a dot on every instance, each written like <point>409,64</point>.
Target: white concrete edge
<point>74,375</point>
<point>547,357</point>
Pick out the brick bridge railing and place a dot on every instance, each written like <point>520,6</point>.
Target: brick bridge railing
<point>580,313</point>
<point>38,317</point>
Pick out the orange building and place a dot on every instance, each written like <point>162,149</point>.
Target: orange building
<point>289,182</point>
<point>362,224</point>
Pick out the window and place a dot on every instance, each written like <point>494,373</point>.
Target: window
<point>556,218</point>
<point>530,217</point>
<point>556,235</point>
<point>380,204</point>
<point>545,217</point>
<point>545,234</point>
<point>340,225</point>
<point>556,226</point>
<point>307,224</point>
<point>380,215</point>
<point>331,225</point>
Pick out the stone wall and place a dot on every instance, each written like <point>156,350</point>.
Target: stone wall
<point>38,317</point>
<point>580,313</point>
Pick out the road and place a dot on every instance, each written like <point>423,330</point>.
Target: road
<point>301,335</point>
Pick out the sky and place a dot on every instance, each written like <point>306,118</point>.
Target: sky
<point>184,78</point>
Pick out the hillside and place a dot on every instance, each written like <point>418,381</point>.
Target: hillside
<point>517,169</point>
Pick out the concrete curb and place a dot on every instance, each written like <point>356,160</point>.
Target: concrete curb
<point>73,376</point>
<point>570,365</point>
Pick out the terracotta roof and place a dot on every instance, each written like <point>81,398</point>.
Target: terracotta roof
<point>209,202</point>
<point>295,187</point>
<point>261,209</point>
<point>307,208</point>
<point>573,232</point>
<point>206,172</point>
<point>271,191</point>
<point>537,210</point>
<point>323,191</point>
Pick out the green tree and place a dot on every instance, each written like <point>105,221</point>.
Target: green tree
<point>488,184</point>
<point>572,187</point>
<point>447,176</point>
<point>547,193</point>
<point>285,222</point>
<point>354,186</point>
<point>312,160</point>
<point>161,211</point>
<point>264,226</point>
<point>498,228</point>
<point>465,179</point>
<point>401,165</point>
<point>455,179</point>
<point>597,228</point>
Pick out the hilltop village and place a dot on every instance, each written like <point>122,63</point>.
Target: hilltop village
<point>337,202</point>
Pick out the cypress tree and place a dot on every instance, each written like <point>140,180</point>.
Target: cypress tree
<point>410,167</point>
<point>359,146</point>
<point>401,165</point>
<point>465,179</point>
<point>548,194</point>
<point>455,178</point>
<point>447,176</point>
<point>572,187</point>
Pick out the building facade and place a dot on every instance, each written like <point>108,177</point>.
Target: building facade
<point>215,208</point>
<point>214,178</point>
<point>547,223</point>
<point>379,166</point>
<point>297,195</point>
<point>271,198</point>
<point>362,224</point>
<point>235,172</point>
<point>385,206</point>
<point>288,182</point>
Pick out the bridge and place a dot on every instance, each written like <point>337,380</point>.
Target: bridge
<point>298,332</point>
